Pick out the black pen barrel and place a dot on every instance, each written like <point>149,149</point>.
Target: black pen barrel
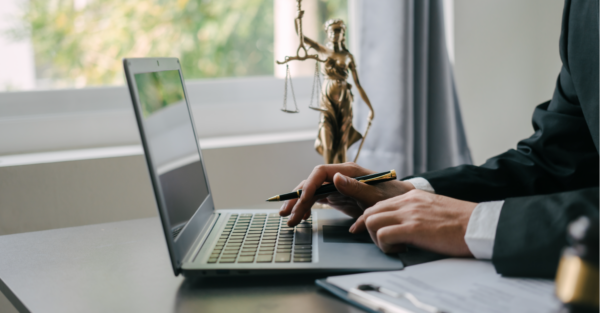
<point>329,188</point>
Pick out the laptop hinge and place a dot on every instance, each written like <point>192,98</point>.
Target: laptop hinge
<point>191,254</point>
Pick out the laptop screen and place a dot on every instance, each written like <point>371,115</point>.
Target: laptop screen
<point>172,145</point>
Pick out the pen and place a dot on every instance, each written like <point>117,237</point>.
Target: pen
<point>329,188</point>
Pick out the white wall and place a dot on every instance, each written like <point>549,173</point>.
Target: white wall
<point>507,62</point>
<point>64,194</point>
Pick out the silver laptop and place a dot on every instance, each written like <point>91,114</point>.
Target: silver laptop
<point>204,241</point>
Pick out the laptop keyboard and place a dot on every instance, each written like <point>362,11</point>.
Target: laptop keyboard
<point>262,238</point>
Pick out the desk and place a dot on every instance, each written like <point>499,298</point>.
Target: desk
<point>124,267</point>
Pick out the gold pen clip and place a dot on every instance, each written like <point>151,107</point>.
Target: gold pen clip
<point>390,175</point>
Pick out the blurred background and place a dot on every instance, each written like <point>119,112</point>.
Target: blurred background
<point>66,118</point>
<point>67,127</point>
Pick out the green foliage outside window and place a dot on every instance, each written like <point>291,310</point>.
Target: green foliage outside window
<point>81,42</point>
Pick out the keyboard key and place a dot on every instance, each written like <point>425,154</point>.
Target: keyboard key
<point>302,247</point>
<point>270,236</point>
<point>264,259</point>
<point>284,250</point>
<point>303,236</point>
<point>248,254</point>
<point>270,231</point>
<point>245,259</point>
<point>302,252</point>
<point>267,244</point>
<point>282,257</point>
<point>269,252</point>
<point>302,260</point>
<point>212,260</point>
<point>284,246</point>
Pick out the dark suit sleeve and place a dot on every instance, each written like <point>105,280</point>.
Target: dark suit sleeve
<point>532,231</point>
<point>559,156</point>
<point>551,177</point>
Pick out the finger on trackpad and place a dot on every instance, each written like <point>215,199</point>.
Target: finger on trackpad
<point>342,235</point>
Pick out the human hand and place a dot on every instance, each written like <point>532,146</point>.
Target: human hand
<point>425,220</point>
<point>353,196</point>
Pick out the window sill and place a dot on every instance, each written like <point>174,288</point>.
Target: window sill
<point>130,150</point>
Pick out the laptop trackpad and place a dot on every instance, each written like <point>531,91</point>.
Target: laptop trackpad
<point>341,234</point>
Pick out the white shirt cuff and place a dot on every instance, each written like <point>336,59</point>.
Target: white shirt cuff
<point>481,231</point>
<point>421,184</point>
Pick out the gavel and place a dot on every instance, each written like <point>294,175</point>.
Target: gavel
<point>577,274</point>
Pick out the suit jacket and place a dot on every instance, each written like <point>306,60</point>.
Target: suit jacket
<point>551,177</point>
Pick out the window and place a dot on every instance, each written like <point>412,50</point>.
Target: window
<point>64,83</point>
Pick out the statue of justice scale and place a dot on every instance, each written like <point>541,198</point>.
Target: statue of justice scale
<point>336,132</point>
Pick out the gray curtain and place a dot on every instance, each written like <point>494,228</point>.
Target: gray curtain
<point>404,67</point>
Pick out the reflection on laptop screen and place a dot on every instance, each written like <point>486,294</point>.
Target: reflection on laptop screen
<point>172,145</point>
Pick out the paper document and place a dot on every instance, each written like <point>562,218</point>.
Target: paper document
<point>458,285</point>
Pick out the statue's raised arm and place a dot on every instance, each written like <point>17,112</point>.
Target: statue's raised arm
<point>313,44</point>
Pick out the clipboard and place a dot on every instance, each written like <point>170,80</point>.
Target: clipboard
<point>342,294</point>
<point>449,285</point>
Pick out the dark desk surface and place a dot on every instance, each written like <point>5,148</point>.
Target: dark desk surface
<point>124,267</point>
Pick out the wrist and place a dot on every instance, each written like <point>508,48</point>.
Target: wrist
<point>403,187</point>
<point>407,186</point>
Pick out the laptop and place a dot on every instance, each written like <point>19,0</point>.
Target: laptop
<point>204,241</point>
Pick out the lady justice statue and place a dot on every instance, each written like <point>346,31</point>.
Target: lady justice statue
<point>336,132</point>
